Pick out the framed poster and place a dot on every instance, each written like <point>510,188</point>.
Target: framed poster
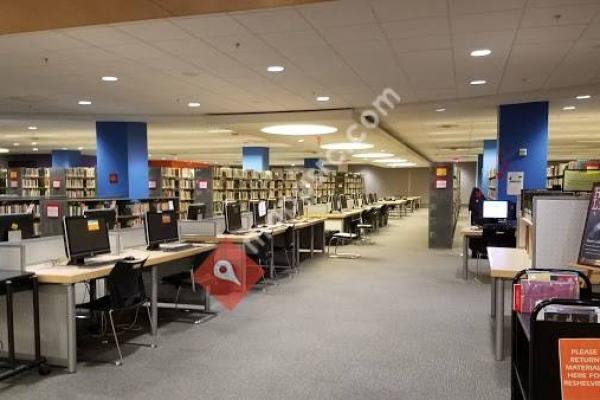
<point>589,252</point>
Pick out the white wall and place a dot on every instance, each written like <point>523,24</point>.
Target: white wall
<point>468,177</point>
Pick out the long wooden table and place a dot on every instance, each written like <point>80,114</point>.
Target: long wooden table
<point>505,264</point>
<point>58,290</point>
<point>338,220</point>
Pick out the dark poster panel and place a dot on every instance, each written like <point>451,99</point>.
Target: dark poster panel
<point>589,253</point>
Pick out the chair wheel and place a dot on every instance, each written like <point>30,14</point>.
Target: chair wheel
<point>153,345</point>
<point>44,370</point>
<point>118,363</point>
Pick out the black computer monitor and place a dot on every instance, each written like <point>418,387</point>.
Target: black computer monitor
<point>16,222</point>
<point>161,227</point>
<point>364,199</point>
<point>108,215</point>
<point>196,211</point>
<point>375,197</point>
<point>288,209</point>
<point>85,237</point>
<point>343,202</point>
<point>371,198</point>
<point>233,217</point>
<point>495,210</point>
<point>300,207</point>
<point>259,212</point>
<point>336,204</point>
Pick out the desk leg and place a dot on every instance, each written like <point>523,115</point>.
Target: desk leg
<point>297,248</point>
<point>154,300</point>
<point>71,330</point>
<point>493,298</point>
<point>10,324</point>
<point>272,266</point>
<point>499,319</point>
<point>312,241</point>
<point>465,257</point>
<point>36,318</point>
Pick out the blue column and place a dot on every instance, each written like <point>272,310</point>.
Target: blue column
<point>314,163</point>
<point>479,169</point>
<point>255,158</point>
<point>489,162</point>
<point>522,126</point>
<point>66,158</point>
<point>122,159</point>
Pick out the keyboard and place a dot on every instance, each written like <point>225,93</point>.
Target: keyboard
<point>176,246</point>
<point>103,260</point>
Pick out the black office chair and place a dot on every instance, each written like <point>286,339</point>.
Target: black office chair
<point>185,279</point>
<point>343,238</point>
<point>259,251</point>
<point>287,246</point>
<point>364,227</point>
<point>126,292</point>
<point>385,213</point>
<point>494,235</point>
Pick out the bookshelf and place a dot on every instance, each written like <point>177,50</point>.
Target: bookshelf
<point>577,176</point>
<point>80,182</point>
<point>28,182</point>
<point>492,184</point>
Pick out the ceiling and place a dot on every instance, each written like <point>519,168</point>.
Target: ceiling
<point>350,50</point>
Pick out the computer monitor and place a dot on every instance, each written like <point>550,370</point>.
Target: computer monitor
<point>495,210</point>
<point>108,215</point>
<point>161,227</point>
<point>364,199</point>
<point>196,211</point>
<point>343,202</point>
<point>259,212</point>
<point>289,211</point>
<point>300,207</point>
<point>16,222</point>
<point>375,197</point>
<point>85,237</point>
<point>336,204</point>
<point>371,198</point>
<point>233,217</point>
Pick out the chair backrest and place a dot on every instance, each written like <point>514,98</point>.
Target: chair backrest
<point>495,237</point>
<point>289,237</point>
<point>126,285</point>
<point>364,216</point>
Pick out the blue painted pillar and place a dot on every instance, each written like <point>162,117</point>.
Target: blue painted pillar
<point>479,169</point>
<point>314,163</point>
<point>489,163</point>
<point>122,160</point>
<point>66,158</point>
<point>255,158</point>
<point>522,126</point>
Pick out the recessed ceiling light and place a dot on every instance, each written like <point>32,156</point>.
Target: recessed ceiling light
<point>64,148</point>
<point>35,149</point>
<point>401,165</point>
<point>372,155</point>
<point>4,150</point>
<point>275,68</point>
<point>16,144</point>
<point>80,148</point>
<point>193,104</point>
<point>347,146</point>
<point>84,102</point>
<point>583,96</point>
<point>568,108</point>
<point>32,128</point>
<point>300,140</point>
<point>110,78</point>
<point>293,165</point>
<point>390,160</point>
<point>34,143</point>
<point>323,98</point>
<point>299,129</point>
<point>478,82</point>
<point>481,53</point>
<point>440,109</point>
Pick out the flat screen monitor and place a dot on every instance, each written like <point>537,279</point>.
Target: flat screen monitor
<point>375,197</point>
<point>233,217</point>
<point>371,198</point>
<point>196,211</point>
<point>161,227</point>
<point>495,209</point>
<point>288,209</point>
<point>343,202</point>
<point>300,207</point>
<point>364,199</point>
<point>85,237</point>
<point>259,212</point>
<point>16,222</point>
<point>108,215</point>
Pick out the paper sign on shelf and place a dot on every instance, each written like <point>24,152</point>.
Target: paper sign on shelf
<point>579,369</point>
<point>441,184</point>
<point>441,171</point>
<point>202,184</point>
<point>14,184</point>
<point>151,184</point>
<point>514,183</point>
<point>52,211</point>
<point>13,174</point>
<point>56,184</point>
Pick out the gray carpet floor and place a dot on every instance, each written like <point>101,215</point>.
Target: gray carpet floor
<point>398,323</point>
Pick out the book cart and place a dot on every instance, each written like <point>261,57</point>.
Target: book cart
<point>535,361</point>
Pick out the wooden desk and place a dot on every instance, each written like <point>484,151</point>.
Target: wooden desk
<point>338,221</point>
<point>414,200</point>
<point>505,264</point>
<point>57,294</point>
<point>468,233</point>
<point>593,273</point>
<point>396,205</point>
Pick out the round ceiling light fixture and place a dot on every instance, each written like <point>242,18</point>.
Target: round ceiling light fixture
<point>481,53</point>
<point>299,129</point>
<point>347,146</point>
<point>4,150</point>
<point>275,68</point>
<point>401,165</point>
<point>372,155</point>
<point>390,160</point>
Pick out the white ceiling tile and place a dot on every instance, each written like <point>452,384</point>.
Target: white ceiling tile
<point>150,31</point>
<point>569,15</point>
<point>489,22</point>
<point>292,41</point>
<point>554,3</point>
<point>592,32</point>
<point>484,6</point>
<point>395,10</point>
<point>498,42</point>
<point>568,33</point>
<point>429,69</point>
<point>136,51</point>
<point>353,33</point>
<point>435,94</point>
<point>421,43</point>
<point>417,27</point>
<point>211,25</point>
<point>338,13</point>
<point>101,35</point>
<point>272,21</point>
<point>578,68</point>
<point>238,43</point>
